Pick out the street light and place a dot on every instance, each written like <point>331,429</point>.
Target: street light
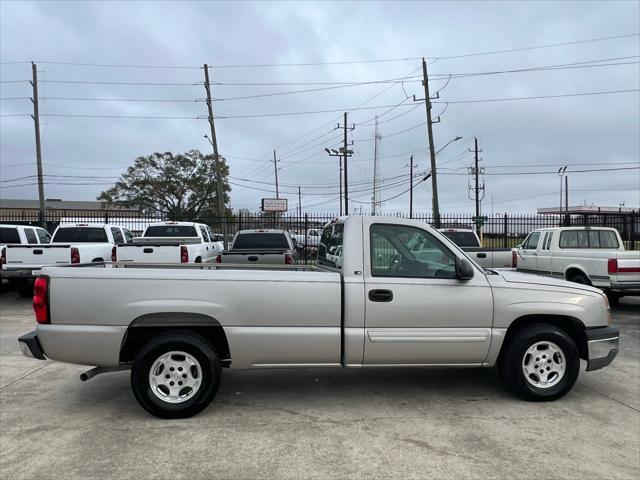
<point>207,137</point>
<point>561,172</point>
<point>335,153</point>
<point>448,143</point>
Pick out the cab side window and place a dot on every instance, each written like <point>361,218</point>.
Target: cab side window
<point>117,235</point>
<point>532,241</point>
<point>204,233</point>
<point>404,251</point>
<point>31,235</point>
<point>43,235</point>
<point>128,236</point>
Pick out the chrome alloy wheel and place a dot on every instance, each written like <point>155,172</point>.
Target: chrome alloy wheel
<point>175,377</point>
<point>544,364</point>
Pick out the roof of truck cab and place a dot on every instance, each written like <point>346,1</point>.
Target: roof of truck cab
<point>554,229</point>
<point>92,225</point>
<point>262,230</point>
<point>169,222</point>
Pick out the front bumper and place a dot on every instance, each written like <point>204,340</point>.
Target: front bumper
<point>30,346</point>
<point>602,346</point>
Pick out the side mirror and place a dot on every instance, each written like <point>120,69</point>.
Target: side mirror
<point>464,270</point>
<point>519,246</point>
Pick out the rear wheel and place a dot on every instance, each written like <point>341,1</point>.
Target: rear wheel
<point>580,278</point>
<point>614,299</point>
<point>175,375</point>
<point>540,363</point>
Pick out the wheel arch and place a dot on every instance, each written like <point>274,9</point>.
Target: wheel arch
<point>146,326</point>
<point>571,325</point>
<point>573,270</point>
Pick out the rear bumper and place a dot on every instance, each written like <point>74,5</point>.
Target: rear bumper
<point>602,346</point>
<point>626,288</point>
<point>17,273</point>
<point>30,346</point>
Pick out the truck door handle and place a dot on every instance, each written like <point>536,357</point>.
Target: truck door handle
<point>253,259</point>
<point>148,250</point>
<point>380,295</point>
<point>37,252</point>
<point>481,255</point>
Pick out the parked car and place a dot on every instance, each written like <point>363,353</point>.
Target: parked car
<point>469,241</point>
<point>177,327</point>
<point>260,247</point>
<point>19,235</point>
<point>70,244</point>
<point>172,242</point>
<point>585,255</point>
<point>309,240</point>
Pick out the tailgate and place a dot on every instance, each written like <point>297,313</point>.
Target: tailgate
<point>36,256</point>
<point>254,257</point>
<point>149,253</point>
<point>625,268</point>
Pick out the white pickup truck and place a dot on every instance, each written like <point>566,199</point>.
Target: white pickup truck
<point>260,247</point>
<point>19,235</point>
<point>172,242</point>
<point>310,240</point>
<point>176,327</point>
<point>70,244</point>
<point>487,257</point>
<point>587,255</point>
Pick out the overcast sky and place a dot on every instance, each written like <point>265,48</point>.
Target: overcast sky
<point>518,138</point>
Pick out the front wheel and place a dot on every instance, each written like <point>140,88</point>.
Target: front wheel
<point>540,363</point>
<point>175,375</point>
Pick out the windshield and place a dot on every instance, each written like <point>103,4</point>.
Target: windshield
<point>80,235</point>
<point>171,231</point>
<point>260,240</point>
<point>462,239</point>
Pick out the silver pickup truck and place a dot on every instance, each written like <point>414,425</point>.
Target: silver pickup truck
<point>378,305</point>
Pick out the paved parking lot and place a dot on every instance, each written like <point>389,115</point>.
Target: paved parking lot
<point>391,423</point>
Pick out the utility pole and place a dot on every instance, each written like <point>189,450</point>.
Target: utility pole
<point>411,166</point>
<point>335,153</point>
<point>216,156</point>
<point>299,202</point>
<point>477,172</point>
<point>275,169</point>
<point>346,153</point>
<point>375,201</point>
<point>36,121</point>
<point>432,152</point>
<point>478,186</point>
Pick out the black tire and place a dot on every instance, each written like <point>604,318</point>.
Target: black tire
<point>614,299</point>
<point>181,341</point>
<point>580,278</point>
<point>511,360</point>
<point>24,288</point>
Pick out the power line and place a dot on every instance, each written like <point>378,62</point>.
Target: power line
<point>538,97</point>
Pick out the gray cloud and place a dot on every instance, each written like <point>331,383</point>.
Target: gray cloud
<point>578,130</point>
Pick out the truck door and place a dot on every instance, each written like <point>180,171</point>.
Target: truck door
<point>544,254</point>
<point>528,253</point>
<point>417,311</point>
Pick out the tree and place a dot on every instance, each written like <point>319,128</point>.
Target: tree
<point>181,186</point>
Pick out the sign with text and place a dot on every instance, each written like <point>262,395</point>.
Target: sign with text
<point>274,205</point>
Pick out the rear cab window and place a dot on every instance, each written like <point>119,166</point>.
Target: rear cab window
<point>171,231</point>
<point>9,235</point>
<point>330,247</point>
<point>588,239</point>
<point>260,240</point>
<point>81,235</point>
<point>462,239</point>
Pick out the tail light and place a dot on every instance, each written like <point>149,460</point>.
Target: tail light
<point>3,257</point>
<point>218,258</point>
<point>184,254</point>
<point>114,254</point>
<point>288,259</point>
<point>612,266</point>
<point>514,259</point>
<point>41,299</point>
<point>75,255</point>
